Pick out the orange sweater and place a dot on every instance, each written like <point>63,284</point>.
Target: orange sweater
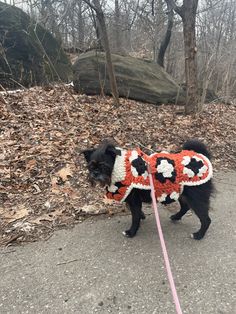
<point>171,172</point>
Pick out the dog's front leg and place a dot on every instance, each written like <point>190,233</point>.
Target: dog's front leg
<point>134,203</point>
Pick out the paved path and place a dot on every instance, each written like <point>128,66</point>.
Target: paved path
<point>94,269</point>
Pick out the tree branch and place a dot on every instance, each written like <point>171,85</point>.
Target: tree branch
<point>90,5</point>
<point>175,7</point>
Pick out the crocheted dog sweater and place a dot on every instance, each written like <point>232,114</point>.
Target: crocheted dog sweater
<point>171,172</point>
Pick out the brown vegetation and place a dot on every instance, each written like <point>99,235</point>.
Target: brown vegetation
<point>43,177</point>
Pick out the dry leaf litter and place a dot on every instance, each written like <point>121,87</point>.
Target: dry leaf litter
<point>43,182</point>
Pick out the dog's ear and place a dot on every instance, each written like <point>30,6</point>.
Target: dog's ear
<point>112,150</point>
<point>87,154</point>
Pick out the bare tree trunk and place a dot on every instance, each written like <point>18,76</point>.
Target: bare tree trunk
<point>117,30</point>
<point>166,40</point>
<point>80,26</point>
<point>206,79</point>
<point>97,31</point>
<point>105,41</point>
<point>110,67</point>
<point>188,14</point>
<point>190,49</point>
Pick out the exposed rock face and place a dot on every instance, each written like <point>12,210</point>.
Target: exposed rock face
<point>136,79</point>
<point>24,50</point>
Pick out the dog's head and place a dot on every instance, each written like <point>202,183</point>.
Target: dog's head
<point>101,162</point>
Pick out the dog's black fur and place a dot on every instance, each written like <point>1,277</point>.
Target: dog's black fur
<point>100,164</point>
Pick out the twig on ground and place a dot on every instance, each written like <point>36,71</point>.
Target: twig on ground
<point>67,262</point>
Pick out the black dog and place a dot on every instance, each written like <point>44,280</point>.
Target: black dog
<point>102,163</point>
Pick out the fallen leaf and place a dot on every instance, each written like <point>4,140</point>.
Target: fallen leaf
<point>15,214</point>
<point>64,173</point>
<point>89,209</point>
<point>50,217</point>
<point>31,164</point>
<point>55,187</point>
<point>44,217</point>
<point>107,201</point>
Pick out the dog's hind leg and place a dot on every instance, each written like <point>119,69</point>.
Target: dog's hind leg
<point>198,198</point>
<point>202,213</point>
<point>134,203</point>
<point>184,207</point>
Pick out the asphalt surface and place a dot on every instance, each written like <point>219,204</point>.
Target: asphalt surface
<point>92,268</point>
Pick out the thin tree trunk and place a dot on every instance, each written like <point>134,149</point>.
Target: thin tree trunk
<point>96,27</point>
<point>110,67</point>
<point>188,14</point>
<point>81,27</point>
<point>190,49</point>
<point>105,42</point>
<point>166,40</point>
<point>117,30</point>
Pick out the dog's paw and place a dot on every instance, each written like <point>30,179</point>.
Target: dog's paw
<point>196,236</point>
<point>143,216</point>
<point>128,234</point>
<point>175,217</point>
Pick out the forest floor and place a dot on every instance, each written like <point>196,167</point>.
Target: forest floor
<point>43,130</point>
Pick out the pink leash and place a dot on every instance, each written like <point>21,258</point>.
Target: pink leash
<point>163,246</point>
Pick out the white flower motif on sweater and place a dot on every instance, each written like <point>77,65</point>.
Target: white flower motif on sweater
<point>165,168</point>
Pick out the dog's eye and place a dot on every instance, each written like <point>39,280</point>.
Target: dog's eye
<point>104,167</point>
<point>92,166</point>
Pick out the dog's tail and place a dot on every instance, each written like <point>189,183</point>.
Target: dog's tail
<point>197,147</point>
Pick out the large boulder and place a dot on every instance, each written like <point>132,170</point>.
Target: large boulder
<point>136,79</point>
<point>25,50</point>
